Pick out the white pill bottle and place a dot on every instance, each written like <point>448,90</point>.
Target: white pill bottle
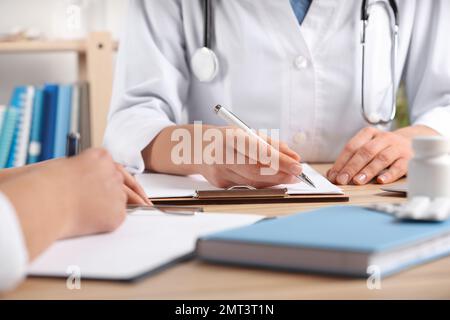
<point>429,170</point>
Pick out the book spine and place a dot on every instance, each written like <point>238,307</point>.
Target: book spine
<point>62,120</point>
<point>35,147</point>
<point>2,117</point>
<point>17,102</point>
<point>49,123</point>
<point>75,113</point>
<point>85,117</point>
<point>8,128</point>
<point>23,136</point>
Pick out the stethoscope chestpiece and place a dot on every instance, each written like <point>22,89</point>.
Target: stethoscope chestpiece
<point>374,118</point>
<point>205,64</point>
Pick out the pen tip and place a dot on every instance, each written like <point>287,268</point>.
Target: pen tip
<point>311,183</point>
<point>307,180</point>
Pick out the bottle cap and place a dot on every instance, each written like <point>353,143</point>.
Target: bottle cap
<point>432,146</point>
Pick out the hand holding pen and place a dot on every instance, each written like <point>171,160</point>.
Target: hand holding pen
<point>284,166</point>
<point>284,150</point>
<point>135,194</point>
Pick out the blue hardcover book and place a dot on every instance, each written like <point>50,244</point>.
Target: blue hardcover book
<point>17,102</point>
<point>49,121</point>
<point>350,241</point>
<point>63,116</point>
<point>35,147</point>
<point>10,120</point>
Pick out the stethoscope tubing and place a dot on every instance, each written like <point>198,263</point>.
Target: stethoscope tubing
<point>207,28</point>
<point>394,50</point>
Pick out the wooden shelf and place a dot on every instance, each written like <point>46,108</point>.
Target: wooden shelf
<point>78,46</point>
<point>43,46</point>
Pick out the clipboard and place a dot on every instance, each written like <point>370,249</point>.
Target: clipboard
<point>195,190</point>
<point>247,195</point>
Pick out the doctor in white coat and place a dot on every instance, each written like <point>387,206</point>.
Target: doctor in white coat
<point>291,65</point>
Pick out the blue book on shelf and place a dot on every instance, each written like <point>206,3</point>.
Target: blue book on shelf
<point>10,120</point>
<point>2,117</point>
<point>24,126</point>
<point>49,121</point>
<point>63,116</point>
<point>17,102</point>
<point>345,240</point>
<point>35,147</point>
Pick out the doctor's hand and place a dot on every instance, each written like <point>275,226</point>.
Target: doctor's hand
<point>276,164</point>
<point>283,166</point>
<point>373,153</point>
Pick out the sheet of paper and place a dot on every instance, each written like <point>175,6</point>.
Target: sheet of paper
<point>169,186</point>
<point>323,185</point>
<point>399,188</point>
<point>146,241</point>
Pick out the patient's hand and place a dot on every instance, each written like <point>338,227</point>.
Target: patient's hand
<point>67,198</point>
<point>134,191</point>
<point>99,195</point>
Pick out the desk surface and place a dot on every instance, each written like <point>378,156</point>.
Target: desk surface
<point>196,280</point>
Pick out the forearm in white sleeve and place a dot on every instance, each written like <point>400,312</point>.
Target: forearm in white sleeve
<point>428,67</point>
<point>437,119</point>
<point>151,80</point>
<point>13,252</point>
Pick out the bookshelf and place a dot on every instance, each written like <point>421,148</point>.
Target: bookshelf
<point>95,56</point>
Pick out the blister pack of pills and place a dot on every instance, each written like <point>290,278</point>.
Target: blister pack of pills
<point>417,208</point>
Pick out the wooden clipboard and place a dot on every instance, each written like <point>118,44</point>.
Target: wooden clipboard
<point>246,195</point>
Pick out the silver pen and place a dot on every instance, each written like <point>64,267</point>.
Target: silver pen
<point>232,119</point>
<point>173,210</point>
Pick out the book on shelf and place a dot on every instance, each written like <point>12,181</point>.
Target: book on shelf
<point>6,137</point>
<point>49,122</point>
<point>22,140</point>
<point>62,128</point>
<point>2,116</point>
<point>17,102</point>
<point>34,148</point>
<point>35,124</point>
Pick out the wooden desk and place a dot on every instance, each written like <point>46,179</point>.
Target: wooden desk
<point>195,280</point>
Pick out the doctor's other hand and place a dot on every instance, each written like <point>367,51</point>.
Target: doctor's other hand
<point>135,193</point>
<point>373,153</point>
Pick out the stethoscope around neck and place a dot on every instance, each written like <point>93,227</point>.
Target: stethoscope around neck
<point>375,118</point>
<point>205,64</point>
<point>204,61</point>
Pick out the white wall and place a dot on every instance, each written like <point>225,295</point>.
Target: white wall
<point>36,69</point>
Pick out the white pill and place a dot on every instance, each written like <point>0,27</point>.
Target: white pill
<point>384,207</point>
<point>439,209</point>
<point>415,208</point>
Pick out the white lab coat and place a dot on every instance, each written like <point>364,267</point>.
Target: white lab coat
<point>304,80</point>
